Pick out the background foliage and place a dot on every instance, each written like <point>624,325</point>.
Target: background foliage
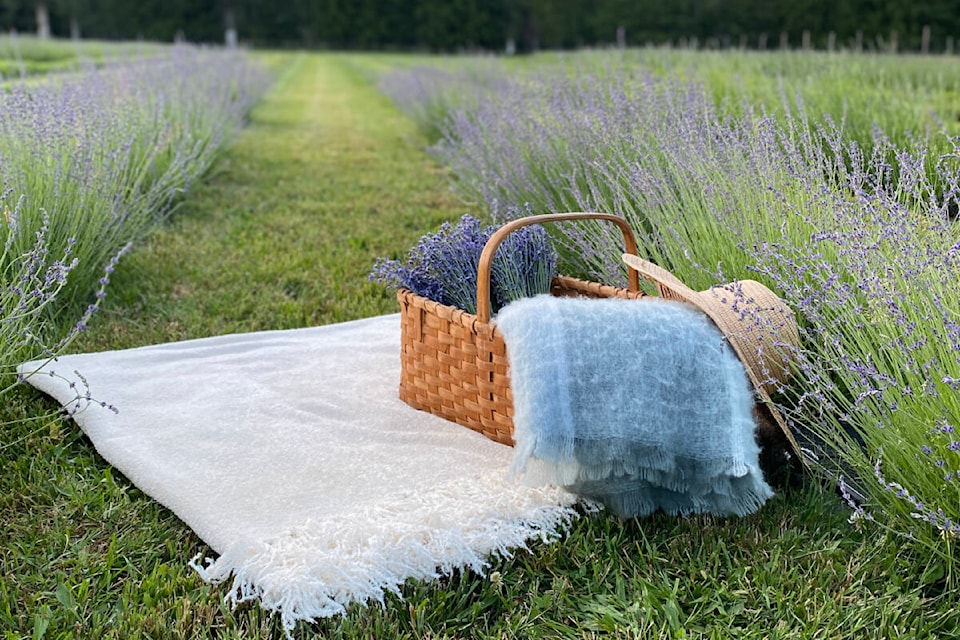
<point>447,25</point>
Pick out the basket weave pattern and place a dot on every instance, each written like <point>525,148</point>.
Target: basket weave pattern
<point>454,364</point>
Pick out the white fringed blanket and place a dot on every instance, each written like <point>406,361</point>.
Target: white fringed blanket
<point>289,453</point>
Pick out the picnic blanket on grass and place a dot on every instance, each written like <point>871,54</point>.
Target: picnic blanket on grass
<point>290,454</point>
<point>640,405</point>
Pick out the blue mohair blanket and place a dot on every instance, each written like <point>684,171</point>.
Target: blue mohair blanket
<point>638,404</point>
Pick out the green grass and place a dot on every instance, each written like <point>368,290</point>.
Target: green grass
<point>282,233</point>
<point>25,54</point>
<point>901,94</point>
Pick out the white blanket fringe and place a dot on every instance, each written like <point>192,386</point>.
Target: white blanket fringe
<point>319,569</point>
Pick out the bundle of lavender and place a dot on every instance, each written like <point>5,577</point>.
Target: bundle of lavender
<point>443,265</point>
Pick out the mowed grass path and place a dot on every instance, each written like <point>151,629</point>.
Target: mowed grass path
<point>282,234</point>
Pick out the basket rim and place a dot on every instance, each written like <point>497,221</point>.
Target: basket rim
<point>445,311</point>
<point>472,321</point>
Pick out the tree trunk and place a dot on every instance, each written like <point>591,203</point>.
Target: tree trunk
<point>43,20</point>
<point>230,24</point>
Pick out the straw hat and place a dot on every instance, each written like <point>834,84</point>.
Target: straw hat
<point>759,326</point>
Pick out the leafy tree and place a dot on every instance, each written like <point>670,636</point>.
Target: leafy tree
<point>449,25</point>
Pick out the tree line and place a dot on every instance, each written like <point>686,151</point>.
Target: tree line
<point>493,25</point>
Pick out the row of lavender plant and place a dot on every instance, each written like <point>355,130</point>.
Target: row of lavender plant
<point>89,163</point>
<point>428,94</point>
<point>870,262</point>
<point>900,94</point>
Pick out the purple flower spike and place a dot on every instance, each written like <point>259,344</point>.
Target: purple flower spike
<point>443,266</point>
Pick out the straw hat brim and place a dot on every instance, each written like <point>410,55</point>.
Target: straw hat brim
<point>749,341</point>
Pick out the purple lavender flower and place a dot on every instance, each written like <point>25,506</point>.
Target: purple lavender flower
<point>524,265</point>
<point>443,265</point>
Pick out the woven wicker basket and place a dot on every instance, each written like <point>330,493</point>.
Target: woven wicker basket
<point>454,364</point>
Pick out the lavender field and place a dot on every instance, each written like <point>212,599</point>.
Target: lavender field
<point>25,55</point>
<point>91,161</point>
<point>833,179</point>
<point>134,213</point>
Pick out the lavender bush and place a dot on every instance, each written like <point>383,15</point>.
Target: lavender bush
<point>860,239</point>
<point>29,284</point>
<point>105,152</point>
<point>22,54</point>
<point>89,163</point>
<point>652,150</point>
<point>428,94</point>
<point>877,283</point>
<point>902,95</point>
<point>443,265</point>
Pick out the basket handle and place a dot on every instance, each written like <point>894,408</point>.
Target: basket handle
<point>486,257</point>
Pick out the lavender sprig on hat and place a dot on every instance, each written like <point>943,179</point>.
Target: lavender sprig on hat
<point>443,265</point>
